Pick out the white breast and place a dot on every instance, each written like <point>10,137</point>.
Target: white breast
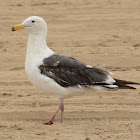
<point>45,83</point>
<point>33,61</point>
<point>37,51</point>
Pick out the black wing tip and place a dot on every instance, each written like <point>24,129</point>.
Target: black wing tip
<point>122,84</point>
<point>127,87</point>
<point>126,82</point>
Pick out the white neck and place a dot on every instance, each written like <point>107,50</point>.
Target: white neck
<point>37,45</point>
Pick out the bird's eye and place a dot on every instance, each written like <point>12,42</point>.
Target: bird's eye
<point>33,21</point>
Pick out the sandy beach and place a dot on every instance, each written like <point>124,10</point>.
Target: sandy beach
<point>105,34</point>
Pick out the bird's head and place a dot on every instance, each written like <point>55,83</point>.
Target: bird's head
<point>33,24</point>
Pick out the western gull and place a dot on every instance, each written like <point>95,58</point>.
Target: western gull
<point>60,75</point>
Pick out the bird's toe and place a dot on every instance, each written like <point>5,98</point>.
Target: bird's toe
<point>48,122</point>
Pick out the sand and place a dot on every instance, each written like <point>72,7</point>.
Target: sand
<point>101,33</point>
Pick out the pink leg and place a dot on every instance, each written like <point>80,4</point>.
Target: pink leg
<point>61,107</point>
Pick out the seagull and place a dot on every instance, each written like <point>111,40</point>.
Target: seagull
<point>61,75</point>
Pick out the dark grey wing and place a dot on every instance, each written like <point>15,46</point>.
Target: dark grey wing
<point>63,61</point>
<point>67,71</point>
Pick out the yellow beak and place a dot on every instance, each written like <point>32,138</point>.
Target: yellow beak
<point>18,27</point>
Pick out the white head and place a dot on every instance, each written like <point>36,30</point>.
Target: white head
<point>33,24</point>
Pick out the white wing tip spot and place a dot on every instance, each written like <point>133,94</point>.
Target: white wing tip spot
<point>110,80</point>
<point>79,86</point>
<point>88,66</point>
